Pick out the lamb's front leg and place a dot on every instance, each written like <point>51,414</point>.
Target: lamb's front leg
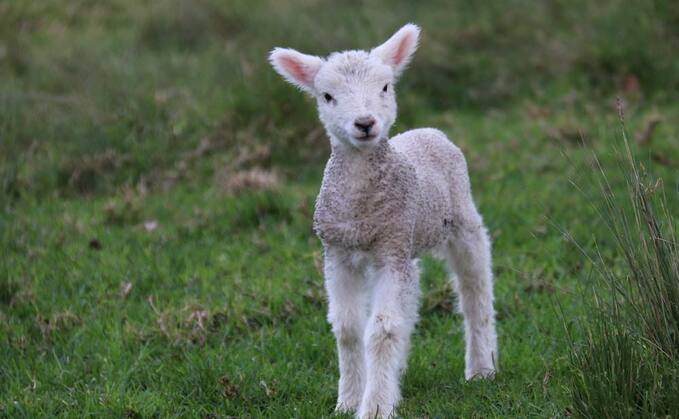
<point>387,337</point>
<point>347,313</point>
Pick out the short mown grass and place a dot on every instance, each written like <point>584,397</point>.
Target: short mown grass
<point>157,182</point>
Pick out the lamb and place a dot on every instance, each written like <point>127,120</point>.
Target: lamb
<point>384,203</point>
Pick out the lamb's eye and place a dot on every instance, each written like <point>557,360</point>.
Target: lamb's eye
<point>327,97</point>
<point>386,86</point>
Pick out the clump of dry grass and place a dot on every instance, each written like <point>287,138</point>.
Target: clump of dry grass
<point>57,323</point>
<point>82,174</point>
<point>255,179</point>
<point>126,208</point>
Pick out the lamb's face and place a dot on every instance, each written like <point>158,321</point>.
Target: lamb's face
<point>354,89</point>
<point>356,100</point>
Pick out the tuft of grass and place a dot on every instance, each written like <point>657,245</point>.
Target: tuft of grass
<point>627,364</point>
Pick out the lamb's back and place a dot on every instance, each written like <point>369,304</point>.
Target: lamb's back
<point>443,182</point>
<point>432,154</point>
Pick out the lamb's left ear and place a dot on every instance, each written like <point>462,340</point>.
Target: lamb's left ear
<point>398,50</point>
<point>297,68</point>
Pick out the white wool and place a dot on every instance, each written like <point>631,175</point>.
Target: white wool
<point>384,203</point>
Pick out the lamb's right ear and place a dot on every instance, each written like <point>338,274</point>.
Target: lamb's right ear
<point>297,68</point>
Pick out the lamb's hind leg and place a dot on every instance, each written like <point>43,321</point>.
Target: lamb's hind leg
<point>469,257</point>
<point>347,313</point>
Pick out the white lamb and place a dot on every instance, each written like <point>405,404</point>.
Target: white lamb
<point>384,203</point>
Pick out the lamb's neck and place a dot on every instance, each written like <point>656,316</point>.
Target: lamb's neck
<point>360,166</point>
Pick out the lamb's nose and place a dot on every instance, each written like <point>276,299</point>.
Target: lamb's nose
<point>364,123</point>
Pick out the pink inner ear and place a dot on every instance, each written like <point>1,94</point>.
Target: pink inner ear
<point>296,69</point>
<point>402,50</point>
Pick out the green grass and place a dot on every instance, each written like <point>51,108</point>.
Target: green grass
<point>626,365</point>
<point>115,114</point>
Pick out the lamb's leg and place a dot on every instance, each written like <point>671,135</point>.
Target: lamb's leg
<point>347,313</point>
<point>387,337</point>
<point>470,258</point>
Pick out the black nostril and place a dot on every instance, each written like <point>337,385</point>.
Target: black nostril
<point>364,123</point>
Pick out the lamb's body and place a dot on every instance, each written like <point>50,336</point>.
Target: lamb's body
<point>376,213</point>
<point>383,204</point>
<point>403,198</point>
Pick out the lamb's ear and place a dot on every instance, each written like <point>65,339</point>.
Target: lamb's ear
<point>398,50</point>
<point>297,68</point>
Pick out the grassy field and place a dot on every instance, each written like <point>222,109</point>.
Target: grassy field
<point>157,182</point>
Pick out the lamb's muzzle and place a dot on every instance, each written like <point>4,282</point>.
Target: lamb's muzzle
<point>365,124</point>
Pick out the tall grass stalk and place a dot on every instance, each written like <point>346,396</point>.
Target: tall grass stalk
<point>627,365</point>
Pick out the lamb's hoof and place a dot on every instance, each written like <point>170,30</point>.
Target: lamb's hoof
<point>376,412</point>
<point>344,407</point>
<point>480,374</point>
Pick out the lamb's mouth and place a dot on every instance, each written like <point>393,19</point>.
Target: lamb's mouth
<point>366,137</point>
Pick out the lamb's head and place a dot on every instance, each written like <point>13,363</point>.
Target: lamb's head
<point>354,89</point>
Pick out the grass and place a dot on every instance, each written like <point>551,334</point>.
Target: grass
<point>157,182</point>
<point>626,366</point>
